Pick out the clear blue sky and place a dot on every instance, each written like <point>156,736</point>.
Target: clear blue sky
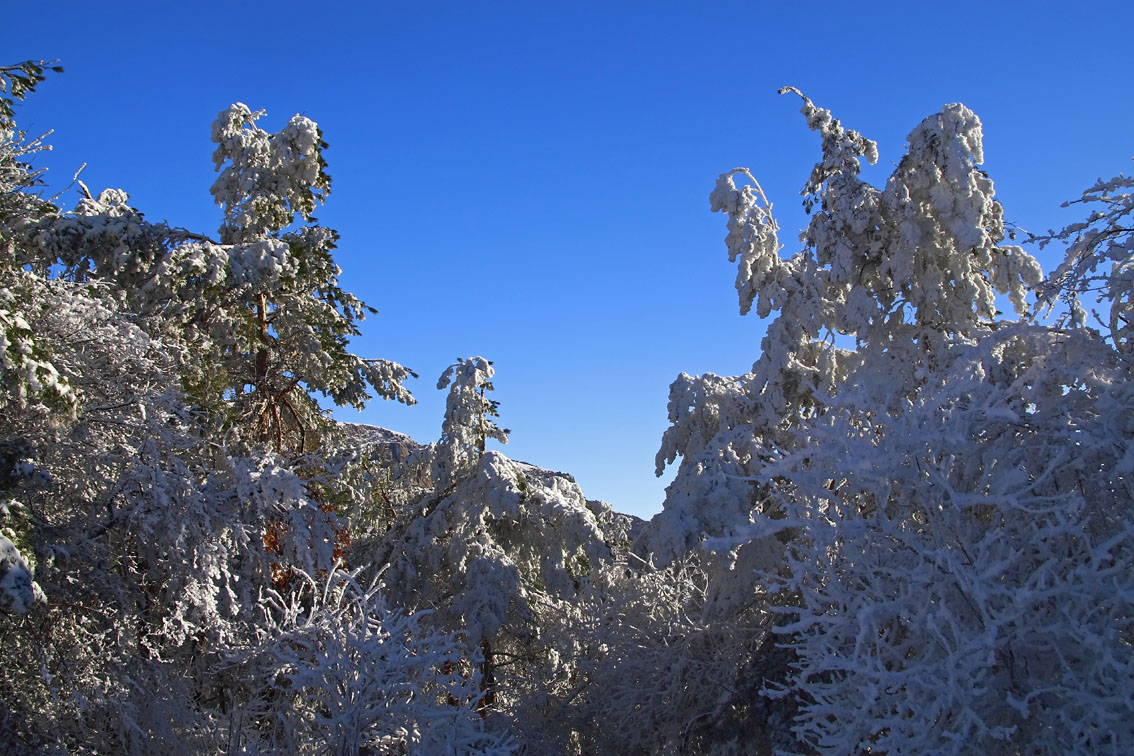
<point>529,181</point>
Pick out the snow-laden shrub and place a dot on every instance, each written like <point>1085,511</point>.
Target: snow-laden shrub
<point>963,583</point>
<point>333,669</point>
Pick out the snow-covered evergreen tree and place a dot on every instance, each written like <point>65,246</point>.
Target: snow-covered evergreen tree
<point>910,272</point>
<point>502,553</point>
<point>935,514</point>
<point>258,320</point>
<point>469,419</point>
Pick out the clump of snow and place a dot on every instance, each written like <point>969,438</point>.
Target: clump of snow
<point>18,590</point>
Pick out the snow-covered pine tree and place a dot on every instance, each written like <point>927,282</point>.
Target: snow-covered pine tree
<point>945,498</point>
<point>297,319</point>
<point>910,272</point>
<point>259,321</point>
<point>500,552</point>
<point>469,419</point>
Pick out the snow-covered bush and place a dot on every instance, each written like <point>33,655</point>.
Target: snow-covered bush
<point>659,670</point>
<point>964,581</point>
<point>334,670</point>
